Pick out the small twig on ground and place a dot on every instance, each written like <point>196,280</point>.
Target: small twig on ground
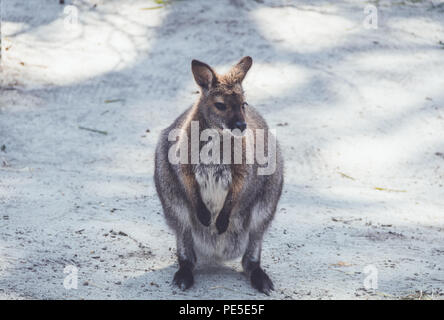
<point>152,8</point>
<point>346,176</point>
<point>93,130</point>
<point>389,190</point>
<point>113,100</point>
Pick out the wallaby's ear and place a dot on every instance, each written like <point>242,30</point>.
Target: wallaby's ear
<point>203,74</point>
<point>239,71</point>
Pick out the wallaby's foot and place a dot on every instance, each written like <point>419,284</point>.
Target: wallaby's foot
<point>183,278</point>
<point>261,281</point>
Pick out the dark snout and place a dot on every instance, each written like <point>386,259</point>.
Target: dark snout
<point>241,125</point>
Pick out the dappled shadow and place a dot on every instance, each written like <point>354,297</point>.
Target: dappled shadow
<point>219,280</point>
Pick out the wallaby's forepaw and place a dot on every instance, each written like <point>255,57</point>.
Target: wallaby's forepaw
<point>183,278</point>
<point>261,281</point>
<point>222,222</point>
<point>204,215</point>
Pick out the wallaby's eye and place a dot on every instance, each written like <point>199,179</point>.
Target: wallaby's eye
<point>220,106</point>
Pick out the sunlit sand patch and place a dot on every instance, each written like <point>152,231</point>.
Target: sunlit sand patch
<point>101,42</point>
<point>301,30</point>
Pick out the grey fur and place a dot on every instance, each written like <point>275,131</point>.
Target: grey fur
<point>249,217</point>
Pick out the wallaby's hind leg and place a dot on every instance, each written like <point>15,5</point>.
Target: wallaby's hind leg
<point>262,213</point>
<point>251,262</point>
<point>184,278</point>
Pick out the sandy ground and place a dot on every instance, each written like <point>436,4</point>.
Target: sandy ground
<point>359,113</point>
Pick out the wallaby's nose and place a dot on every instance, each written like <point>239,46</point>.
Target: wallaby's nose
<point>241,125</point>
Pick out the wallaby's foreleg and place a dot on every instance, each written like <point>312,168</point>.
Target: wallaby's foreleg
<point>203,214</point>
<point>251,262</point>
<point>201,210</point>
<point>184,278</point>
<point>223,219</point>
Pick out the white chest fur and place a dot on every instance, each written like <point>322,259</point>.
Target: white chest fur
<point>214,182</point>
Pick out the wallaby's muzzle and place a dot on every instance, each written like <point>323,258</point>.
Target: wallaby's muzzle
<point>241,125</point>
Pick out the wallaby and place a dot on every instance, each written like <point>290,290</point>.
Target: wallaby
<point>218,211</point>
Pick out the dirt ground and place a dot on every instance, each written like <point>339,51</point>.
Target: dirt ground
<point>359,112</point>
